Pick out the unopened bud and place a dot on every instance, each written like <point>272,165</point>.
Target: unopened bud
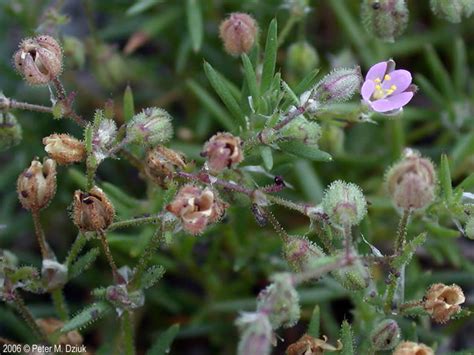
<point>385,19</point>
<point>302,130</point>
<point>64,149</point>
<point>442,301</point>
<point>338,86</point>
<point>344,203</point>
<point>307,345</point>
<point>301,58</point>
<point>92,211</point>
<point>452,10</point>
<point>161,163</point>
<point>280,301</point>
<point>10,131</point>
<point>36,186</point>
<point>238,33</point>
<point>469,229</point>
<point>223,151</point>
<point>300,253</point>
<point>152,126</point>
<point>353,277</point>
<point>411,348</point>
<point>120,296</point>
<point>256,334</point>
<point>52,326</point>
<point>196,208</point>
<point>39,59</point>
<point>54,274</point>
<point>411,182</point>
<point>385,335</point>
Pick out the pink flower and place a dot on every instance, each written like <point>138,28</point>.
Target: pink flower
<point>386,90</point>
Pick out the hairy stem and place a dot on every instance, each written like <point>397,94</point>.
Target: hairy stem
<point>313,274</point>
<point>211,180</point>
<point>135,222</point>
<point>127,333</point>
<point>60,304</point>
<point>108,255</point>
<point>75,249</point>
<point>28,317</point>
<point>402,231</point>
<point>347,233</point>
<point>45,251</point>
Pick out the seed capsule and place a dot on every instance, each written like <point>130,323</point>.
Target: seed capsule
<point>39,59</point>
<point>411,348</point>
<point>223,151</point>
<point>64,149</point>
<point>92,211</point>
<point>36,186</point>
<point>161,163</point>
<point>238,33</point>
<point>443,301</point>
<point>385,335</point>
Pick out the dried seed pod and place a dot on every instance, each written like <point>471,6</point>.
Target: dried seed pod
<point>223,151</point>
<point>64,149</point>
<point>309,345</point>
<point>238,33</point>
<point>36,186</point>
<point>412,181</point>
<point>443,301</point>
<point>385,335</point>
<point>10,131</point>
<point>53,325</point>
<point>161,163</point>
<point>39,59</point>
<point>92,211</point>
<point>197,208</point>
<point>411,348</point>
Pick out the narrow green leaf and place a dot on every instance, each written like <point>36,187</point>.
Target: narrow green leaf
<point>128,104</point>
<point>212,105</point>
<point>267,157</point>
<point>83,263</point>
<point>428,89</point>
<point>308,82</point>
<point>347,339</point>
<point>445,178</point>
<point>162,345</point>
<point>467,183</point>
<point>251,80</point>
<point>269,60</point>
<point>223,92</point>
<point>151,276</point>
<point>87,316</point>
<point>302,150</point>
<point>309,180</point>
<point>464,147</point>
<point>195,25</point>
<point>141,6</point>
<point>460,65</point>
<point>291,95</point>
<point>440,74</point>
<point>408,251</point>
<point>440,231</point>
<point>314,323</point>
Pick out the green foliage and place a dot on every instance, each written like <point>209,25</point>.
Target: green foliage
<point>87,316</point>
<point>162,344</point>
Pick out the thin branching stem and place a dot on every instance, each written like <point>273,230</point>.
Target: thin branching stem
<point>108,255</point>
<point>127,333</point>
<point>45,252</point>
<point>135,222</point>
<point>60,303</point>
<point>28,316</point>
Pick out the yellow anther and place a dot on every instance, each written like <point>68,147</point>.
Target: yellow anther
<point>389,91</point>
<point>378,80</point>
<point>387,77</point>
<point>378,87</point>
<point>393,87</point>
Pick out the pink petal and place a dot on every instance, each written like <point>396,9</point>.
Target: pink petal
<point>400,78</point>
<point>377,71</point>
<point>367,89</point>
<point>392,102</point>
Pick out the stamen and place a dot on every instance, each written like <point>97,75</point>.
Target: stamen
<point>393,87</point>
<point>387,77</point>
<point>378,80</point>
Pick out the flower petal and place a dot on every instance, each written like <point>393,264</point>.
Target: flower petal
<point>392,102</point>
<point>400,78</point>
<point>377,71</point>
<point>367,89</point>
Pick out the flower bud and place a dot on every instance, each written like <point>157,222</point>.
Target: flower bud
<point>256,334</point>
<point>302,130</point>
<point>385,19</point>
<point>123,299</point>
<point>161,163</point>
<point>469,229</point>
<point>280,301</point>
<point>344,203</point>
<point>411,348</point>
<point>196,208</point>
<point>442,301</point>
<point>353,277</point>
<point>385,335</point>
<point>339,85</point>
<point>54,274</point>
<point>64,149</point>
<point>238,33</point>
<point>52,326</point>
<point>309,345</point>
<point>223,151</point>
<point>452,10</point>
<point>39,59</point>
<point>152,126</point>
<point>10,131</point>
<point>300,253</point>
<point>301,58</point>
<point>36,186</point>
<point>411,182</point>
<point>92,211</point>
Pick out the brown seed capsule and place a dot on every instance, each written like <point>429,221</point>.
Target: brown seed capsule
<point>238,33</point>
<point>411,182</point>
<point>309,345</point>
<point>223,151</point>
<point>161,163</point>
<point>51,325</point>
<point>411,348</point>
<point>39,59</point>
<point>92,211</point>
<point>197,208</point>
<point>64,149</point>
<point>443,301</point>
<point>36,185</point>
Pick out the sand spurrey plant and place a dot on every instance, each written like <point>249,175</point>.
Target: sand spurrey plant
<point>192,193</point>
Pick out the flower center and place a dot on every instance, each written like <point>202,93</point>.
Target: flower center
<point>380,92</point>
